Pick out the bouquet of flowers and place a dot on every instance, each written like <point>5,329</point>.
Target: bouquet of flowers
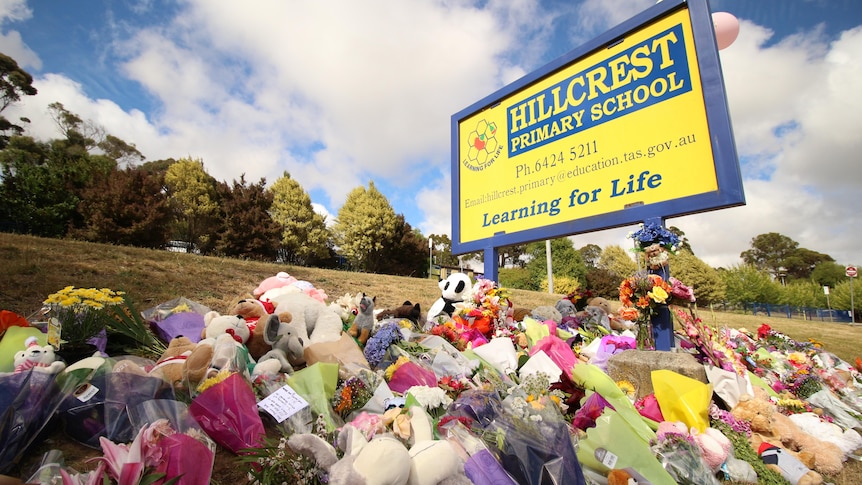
<point>655,242</point>
<point>580,297</point>
<point>486,310</point>
<point>644,292</point>
<point>78,315</point>
<point>711,346</point>
<point>653,232</point>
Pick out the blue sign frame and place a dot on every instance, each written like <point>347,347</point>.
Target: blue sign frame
<point>727,170</point>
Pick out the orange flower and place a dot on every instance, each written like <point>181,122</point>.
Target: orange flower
<point>628,313</point>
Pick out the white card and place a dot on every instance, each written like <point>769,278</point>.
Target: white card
<point>283,403</point>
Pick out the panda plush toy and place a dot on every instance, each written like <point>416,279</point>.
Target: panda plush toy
<point>454,289</point>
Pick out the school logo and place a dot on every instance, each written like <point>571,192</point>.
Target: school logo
<point>482,146</point>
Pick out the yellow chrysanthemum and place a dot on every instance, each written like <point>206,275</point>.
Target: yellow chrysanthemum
<point>627,387</point>
<point>394,367</point>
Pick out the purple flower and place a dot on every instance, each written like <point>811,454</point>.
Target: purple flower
<point>378,344</point>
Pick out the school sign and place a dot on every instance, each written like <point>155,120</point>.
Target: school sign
<point>631,126</point>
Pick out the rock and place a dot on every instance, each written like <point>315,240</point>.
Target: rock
<point>636,367</point>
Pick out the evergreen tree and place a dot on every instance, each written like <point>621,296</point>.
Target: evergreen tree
<point>14,83</point>
<point>192,193</point>
<point>702,278</point>
<point>128,207</point>
<point>247,230</point>
<point>591,253</point>
<point>616,261</point>
<point>364,224</point>
<point>565,261</point>
<point>746,284</point>
<point>305,237</point>
<point>405,252</point>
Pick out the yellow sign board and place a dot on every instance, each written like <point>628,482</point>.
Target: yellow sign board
<point>622,127</point>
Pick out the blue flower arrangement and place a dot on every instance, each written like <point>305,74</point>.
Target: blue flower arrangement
<point>376,346</point>
<point>654,233</point>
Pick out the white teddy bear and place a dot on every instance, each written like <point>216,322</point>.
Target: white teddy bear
<point>36,357</point>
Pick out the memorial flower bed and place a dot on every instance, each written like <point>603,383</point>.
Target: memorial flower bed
<point>475,398</point>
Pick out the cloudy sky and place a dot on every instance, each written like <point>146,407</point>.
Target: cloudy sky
<point>339,93</point>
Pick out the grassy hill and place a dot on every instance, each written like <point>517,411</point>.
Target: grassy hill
<point>36,267</point>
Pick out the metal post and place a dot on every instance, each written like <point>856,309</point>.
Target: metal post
<point>550,266</point>
<point>852,308</point>
<point>431,256</point>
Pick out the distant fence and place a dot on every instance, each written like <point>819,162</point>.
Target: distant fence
<point>789,311</point>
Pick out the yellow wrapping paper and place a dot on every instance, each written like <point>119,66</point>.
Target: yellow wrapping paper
<point>682,398</point>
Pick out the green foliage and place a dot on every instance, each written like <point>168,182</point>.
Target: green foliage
<point>702,278</point>
<point>840,296</point>
<point>603,283</point>
<point>247,230</point>
<point>518,278</point>
<point>192,193</point>
<point>364,224</point>
<point>747,284</point>
<point>304,237</point>
<point>778,254</point>
<point>591,253</point>
<point>562,284</point>
<point>511,255</point>
<point>802,293</point>
<point>443,250</point>
<point>616,261</point>
<point>14,82</point>
<point>828,273</point>
<point>565,260</point>
<point>404,252</point>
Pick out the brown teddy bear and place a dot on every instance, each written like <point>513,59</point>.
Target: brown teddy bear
<point>769,425</point>
<point>253,310</point>
<point>171,365</point>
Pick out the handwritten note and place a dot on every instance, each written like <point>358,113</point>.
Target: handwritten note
<point>283,403</point>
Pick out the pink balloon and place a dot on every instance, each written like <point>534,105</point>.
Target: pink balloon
<point>726,28</point>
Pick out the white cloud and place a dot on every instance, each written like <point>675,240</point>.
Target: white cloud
<point>344,92</point>
<point>11,43</point>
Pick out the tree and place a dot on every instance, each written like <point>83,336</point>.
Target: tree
<point>616,261</point>
<point>364,224</point>
<point>827,273</point>
<point>443,250</point>
<point>193,201</point>
<point>565,261</point>
<point>603,283</point>
<point>404,251</point>
<point>117,149</point>
<point>802,293</point>
<point>304,236</point>
<point>683,241</point>
<point>780,255</point>
<point>34,198</point>
<point>745,284</point>
<point>14,83</point>
<point>128,207</point>
<point>801,262</point>
<point>247,230</point>
<point>511,255</point>
<point>591,253</point>
<point>702,278</point>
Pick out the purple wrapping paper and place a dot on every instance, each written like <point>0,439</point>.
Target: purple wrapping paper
<point>187,324</point>
<point>483,469</point>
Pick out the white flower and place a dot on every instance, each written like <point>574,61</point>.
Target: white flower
<point>430,397</point>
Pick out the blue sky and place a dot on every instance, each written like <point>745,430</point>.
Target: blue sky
<point>340,93</point>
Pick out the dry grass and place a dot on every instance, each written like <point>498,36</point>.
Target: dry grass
<point>36,267</point>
